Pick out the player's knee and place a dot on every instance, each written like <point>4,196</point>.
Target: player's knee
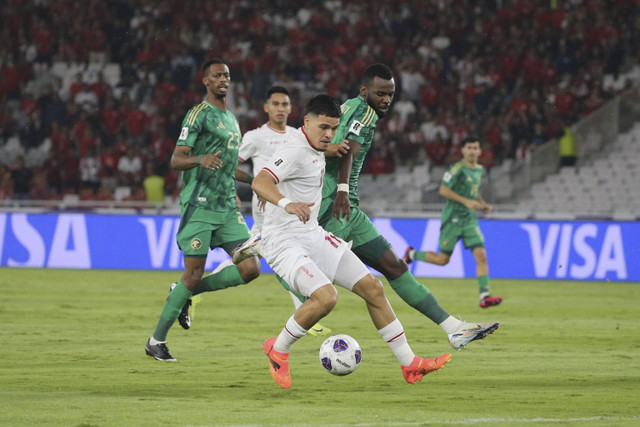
<point>480,256</point>
<point>391,266</point>
<point>326,298</point>
<point>249,269</point>
<point>192,278</point>
<point>370,289</point>
<point>443,259</point>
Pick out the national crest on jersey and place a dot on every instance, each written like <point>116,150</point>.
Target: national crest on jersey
<point>207,130</point>
<point>357,123</point>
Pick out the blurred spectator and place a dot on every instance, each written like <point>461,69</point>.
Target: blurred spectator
<point>523,152</point>
<point>6,185</point>
<point>21,177</point>
<point>437,151</point>
<point>90,170</point>
<point>153,184</point>
<point>130,167</point>
<point>568,147</point>
<point>405,108</point>
<point>503,69</point>
<point>109,160</point>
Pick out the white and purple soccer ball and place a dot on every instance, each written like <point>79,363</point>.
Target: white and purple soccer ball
<point>340,354</point>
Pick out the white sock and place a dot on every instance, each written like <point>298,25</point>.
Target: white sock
<point>483,295</point>
<point>296,301</point>
<point>450,324</point>
<point>394,335</point>
<point>154,341</point>
<point>291,333</point>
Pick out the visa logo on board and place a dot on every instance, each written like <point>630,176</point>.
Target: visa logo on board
<point>573,248</point>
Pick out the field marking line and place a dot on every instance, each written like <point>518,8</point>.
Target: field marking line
<point>467,421</point>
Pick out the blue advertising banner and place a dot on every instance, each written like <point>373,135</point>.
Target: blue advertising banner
<point>569,250</point>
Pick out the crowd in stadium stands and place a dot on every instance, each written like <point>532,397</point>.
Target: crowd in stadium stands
<point>92,93</point>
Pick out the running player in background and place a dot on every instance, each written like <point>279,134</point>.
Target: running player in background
<point>207,154</point>
<point>460,186</point>
<point>311,259</point>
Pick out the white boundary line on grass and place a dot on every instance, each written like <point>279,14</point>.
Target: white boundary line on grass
<point>474,421</point>
<point>500,420</point>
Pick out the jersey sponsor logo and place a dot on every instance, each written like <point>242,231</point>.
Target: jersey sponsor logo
<point>196,244</point>
<point>202,199</point>
<point>356,127</point>
<point>278,162</point>
<point>447,177</point>
<point>184,133</point>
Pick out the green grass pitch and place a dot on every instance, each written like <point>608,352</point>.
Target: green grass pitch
<point>72,354</point>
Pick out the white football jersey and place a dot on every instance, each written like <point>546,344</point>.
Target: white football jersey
<point>259,145</point>
<point>298,168</point>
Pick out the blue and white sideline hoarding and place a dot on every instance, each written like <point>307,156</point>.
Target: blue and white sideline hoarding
<point>565,250</point>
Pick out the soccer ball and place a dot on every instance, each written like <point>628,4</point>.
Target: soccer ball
<point>340,354</point>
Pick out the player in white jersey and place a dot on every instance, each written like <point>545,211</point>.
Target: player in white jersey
<point>311,259</point>
<point>258,145</point>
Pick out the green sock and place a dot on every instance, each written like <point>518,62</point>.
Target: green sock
<point>172,308</point>
<point>223,279</point>
<point>285,285</point>
<point>419,255</point>
<point>419,297</point>
<point>483,283</point>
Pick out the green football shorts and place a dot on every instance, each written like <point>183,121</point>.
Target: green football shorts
<point>368,243</point>
<point>451,232</point>
<point>201,229</point>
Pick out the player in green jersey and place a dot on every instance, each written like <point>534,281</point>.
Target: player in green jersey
<point>340,214</point>
<point>207,154</point>
<point>460,186</point>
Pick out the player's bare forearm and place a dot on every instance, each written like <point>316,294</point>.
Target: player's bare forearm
<point>337,150</point>
<point>486,207</point>
<point>341,205</point>
<point>265,186</point>
<point>449,194</point>
<point>242,176</point>
<point>182,160</point>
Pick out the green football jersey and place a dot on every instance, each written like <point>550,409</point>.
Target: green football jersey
<point>357,123</point>
<point>207,129</point>
<point>464,181</point>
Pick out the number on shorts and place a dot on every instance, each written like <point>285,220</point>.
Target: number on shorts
<point>332,239</point>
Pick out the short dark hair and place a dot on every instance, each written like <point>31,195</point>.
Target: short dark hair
<point>208,62</point>
<point>469,139</point>
<point>376,70</point>
<point>276,89</point>
<point>323,105</point>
